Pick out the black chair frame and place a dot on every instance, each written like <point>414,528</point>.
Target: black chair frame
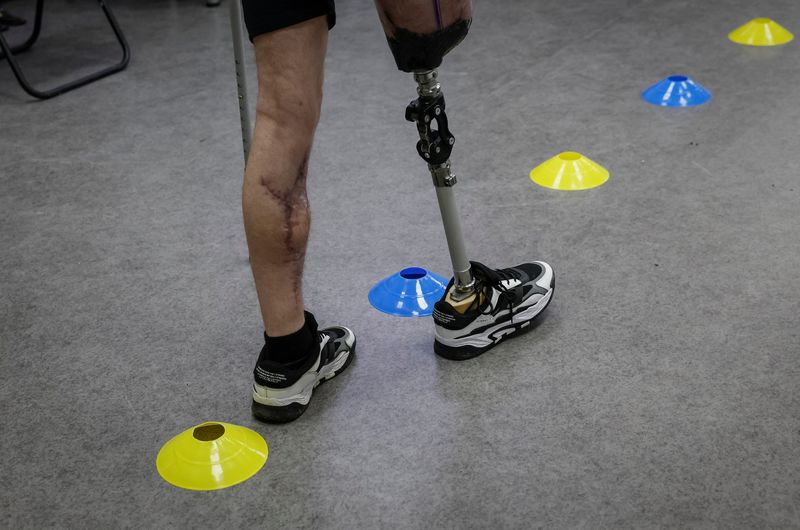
<point>9,51</point>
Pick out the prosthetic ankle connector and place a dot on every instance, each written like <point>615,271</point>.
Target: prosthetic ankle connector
<point>442,176</point>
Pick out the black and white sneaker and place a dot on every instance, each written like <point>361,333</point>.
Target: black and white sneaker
<point>509,302</point>
<point>281,392</point>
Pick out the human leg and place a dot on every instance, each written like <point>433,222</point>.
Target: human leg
<point>289,39</point>
<point>276,211</point>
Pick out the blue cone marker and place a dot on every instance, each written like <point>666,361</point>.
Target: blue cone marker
<point>676,91</point>
<point>412,292</point>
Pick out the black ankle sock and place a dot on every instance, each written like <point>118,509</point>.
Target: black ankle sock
<point>290,349</point>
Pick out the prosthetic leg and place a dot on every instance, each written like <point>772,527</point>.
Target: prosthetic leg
<point>420,33</point>
<point>483,306</point>
<point>435,146</point>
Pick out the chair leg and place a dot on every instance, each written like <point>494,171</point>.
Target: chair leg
<point>8,53</point>
<point>37,27</point>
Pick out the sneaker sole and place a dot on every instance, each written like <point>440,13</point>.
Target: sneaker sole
<point>463,353</point>
<point>292,411</point>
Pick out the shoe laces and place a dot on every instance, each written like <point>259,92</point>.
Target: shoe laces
<point>486,277</point>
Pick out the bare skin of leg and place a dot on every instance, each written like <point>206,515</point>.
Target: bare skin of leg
<point>277,219</point>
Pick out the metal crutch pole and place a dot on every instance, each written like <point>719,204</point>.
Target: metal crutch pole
<point>241,78</point>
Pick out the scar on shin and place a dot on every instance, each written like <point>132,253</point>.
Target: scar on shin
<point>294,205</point>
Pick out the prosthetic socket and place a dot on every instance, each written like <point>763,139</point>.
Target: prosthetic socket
<point>421,32</point>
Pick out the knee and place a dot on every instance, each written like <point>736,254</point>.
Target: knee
<point>291,109</point>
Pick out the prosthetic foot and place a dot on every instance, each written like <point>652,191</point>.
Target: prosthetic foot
<point>509,302</point>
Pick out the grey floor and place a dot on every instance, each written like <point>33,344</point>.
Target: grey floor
<point>662,390</point>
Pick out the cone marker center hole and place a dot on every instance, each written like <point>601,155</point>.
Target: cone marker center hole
<point>569,156</point>
<point>413,273</point>
<point>678,78</point>
<point>762,21</point>
<point>208,432</point>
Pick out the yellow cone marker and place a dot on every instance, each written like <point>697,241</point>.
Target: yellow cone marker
<point>761,32</point>
<point>569,171</point>
<point>212,456</point>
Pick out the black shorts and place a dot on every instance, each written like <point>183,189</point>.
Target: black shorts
<point>263,16</point>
